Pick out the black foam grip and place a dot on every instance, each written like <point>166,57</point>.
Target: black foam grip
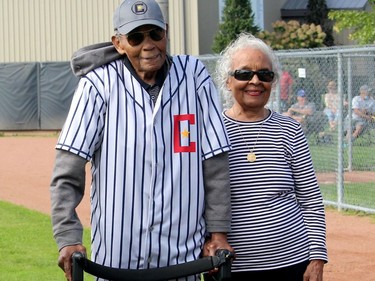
<point>152,274</point>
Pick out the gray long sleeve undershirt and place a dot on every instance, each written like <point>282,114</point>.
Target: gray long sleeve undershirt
<point>67,190</point>
<point>68,184</point>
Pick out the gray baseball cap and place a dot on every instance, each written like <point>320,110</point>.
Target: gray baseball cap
<point>132,14</point>
<point>364,88</point>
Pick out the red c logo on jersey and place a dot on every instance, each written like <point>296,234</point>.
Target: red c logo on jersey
<point>181,133</point>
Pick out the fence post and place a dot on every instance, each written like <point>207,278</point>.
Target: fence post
<point>350,96</point>
<point>340,169</point>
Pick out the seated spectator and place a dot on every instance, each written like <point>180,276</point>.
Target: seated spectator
<point>331,102</point>
<point>361,115</point>
<point>303,110</point>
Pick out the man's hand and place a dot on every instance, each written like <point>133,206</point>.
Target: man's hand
<point>217,241</point>
<point>65,259</point>
<point>314,271</point>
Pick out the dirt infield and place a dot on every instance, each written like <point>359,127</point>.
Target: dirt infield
<point>26,167</point>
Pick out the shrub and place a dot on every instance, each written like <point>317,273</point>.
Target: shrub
<point>293,35</point>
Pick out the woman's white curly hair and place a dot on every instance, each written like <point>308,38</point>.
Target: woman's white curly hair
<point>223,65</point>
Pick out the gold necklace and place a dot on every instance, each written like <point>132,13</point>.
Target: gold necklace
<point>251,156</point>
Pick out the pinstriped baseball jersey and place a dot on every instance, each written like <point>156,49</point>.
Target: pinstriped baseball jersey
<point>147,192</point>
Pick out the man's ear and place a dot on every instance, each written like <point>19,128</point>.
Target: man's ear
<point>117,43</point>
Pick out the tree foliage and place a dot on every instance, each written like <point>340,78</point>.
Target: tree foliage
<point>318,14</point>
<point>237,17</point>
<point>360,23</point>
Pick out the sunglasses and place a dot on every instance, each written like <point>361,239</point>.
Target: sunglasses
<point>247,75</point>
<point>136,38</point>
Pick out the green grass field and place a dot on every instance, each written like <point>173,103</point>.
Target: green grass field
<point>325,160</point>
<point>325,157</point>
<point>28,250</point>
<point>359,194</point>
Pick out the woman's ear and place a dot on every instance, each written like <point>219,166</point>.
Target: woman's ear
<point>116,41</point>
<point>227,85</point>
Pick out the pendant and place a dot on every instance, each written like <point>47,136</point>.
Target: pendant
<point>251,157</point>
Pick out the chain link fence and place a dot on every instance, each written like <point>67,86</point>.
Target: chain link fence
<point>345,166</point>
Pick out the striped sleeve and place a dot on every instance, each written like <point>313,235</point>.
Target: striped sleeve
<point>214,136</point>
<point>83,128</point>
<point>309,197</point>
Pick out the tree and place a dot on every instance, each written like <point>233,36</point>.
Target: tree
<point>237,17</point>
<point>360,23</point>
<point>318,14</point>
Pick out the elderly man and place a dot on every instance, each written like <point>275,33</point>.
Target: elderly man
<point>151,127</point>
<point>361,114</point>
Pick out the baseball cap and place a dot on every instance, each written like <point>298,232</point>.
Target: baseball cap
<point>132,14</point>
<point>364,88</point>
<point>301,93</point>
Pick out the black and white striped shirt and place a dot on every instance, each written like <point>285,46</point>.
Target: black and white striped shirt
<point>277,210</point>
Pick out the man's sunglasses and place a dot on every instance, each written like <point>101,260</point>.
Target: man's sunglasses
<point>247,75</point>
<point>136,38</point>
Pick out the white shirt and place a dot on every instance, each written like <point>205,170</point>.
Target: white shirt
<point>147,194</point>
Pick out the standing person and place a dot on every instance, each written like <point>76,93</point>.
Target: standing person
<point>278,218</point>
<point>286,90</point>
<point>331,102</point>
<point>150,125</point>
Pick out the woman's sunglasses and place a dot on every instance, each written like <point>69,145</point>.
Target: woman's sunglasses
<point>136,38</point>
<point>247,75</point>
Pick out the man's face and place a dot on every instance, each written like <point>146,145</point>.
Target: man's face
<point>148,55</point>
<point>363,93</point>
<point>301,99</point>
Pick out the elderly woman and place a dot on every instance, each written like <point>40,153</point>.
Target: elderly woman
<point>278,218</point>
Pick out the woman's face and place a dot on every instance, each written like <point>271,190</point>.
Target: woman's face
<point>254,93</point>
<point>331,86</point>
